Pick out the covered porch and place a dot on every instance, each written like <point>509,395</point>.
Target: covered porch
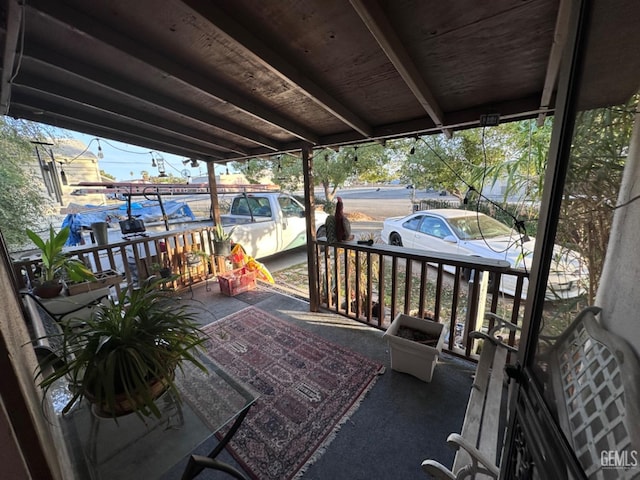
<point>62,86</point>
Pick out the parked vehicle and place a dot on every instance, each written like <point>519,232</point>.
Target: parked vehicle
<point>476,234</point>
<point>268,223</point>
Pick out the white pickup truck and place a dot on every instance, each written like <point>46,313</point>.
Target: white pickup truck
<point>268,223</point>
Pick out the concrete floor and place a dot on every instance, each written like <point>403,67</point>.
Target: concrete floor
<point>400,422</point>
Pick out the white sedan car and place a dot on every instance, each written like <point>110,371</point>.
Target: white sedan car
<point>466,232</point>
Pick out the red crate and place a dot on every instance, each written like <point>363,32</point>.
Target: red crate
<point>237,281</point>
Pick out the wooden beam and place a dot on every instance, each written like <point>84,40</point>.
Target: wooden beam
<point>555,57</point>
<point>49,87</point>
<point>50,60</point>
<point>309,208</point>
<point>276,63</point>
<point>79,120</point>
<point>14,28</point>
<point>378,24</point>
<point>96,30</point>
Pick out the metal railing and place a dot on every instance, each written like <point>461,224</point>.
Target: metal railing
<point>373,284</point>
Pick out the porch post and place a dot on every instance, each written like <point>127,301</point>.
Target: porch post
<point>213,192</point>
<point>309,208</point>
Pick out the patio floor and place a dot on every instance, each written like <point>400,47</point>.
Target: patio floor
<point>400,422</point>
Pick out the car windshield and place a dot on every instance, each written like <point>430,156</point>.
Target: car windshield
<point>479,226</point>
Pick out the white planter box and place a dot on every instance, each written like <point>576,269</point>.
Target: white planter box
<point>412,357</point>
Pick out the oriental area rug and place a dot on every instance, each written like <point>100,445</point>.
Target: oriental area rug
<point>308,388</point>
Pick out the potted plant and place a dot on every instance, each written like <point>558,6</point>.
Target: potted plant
<point>127,352</point>
<point>55,264</point>
<point>164,272</point>
<point>222,240</point>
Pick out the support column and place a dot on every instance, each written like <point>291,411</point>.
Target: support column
<point>309,208</point>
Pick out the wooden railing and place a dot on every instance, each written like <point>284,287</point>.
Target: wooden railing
<point>188,254</point>
<point>372,284</point>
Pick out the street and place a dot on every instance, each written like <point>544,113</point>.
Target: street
<point>373,203</point>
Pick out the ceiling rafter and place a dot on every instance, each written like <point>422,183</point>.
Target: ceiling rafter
<point>14,28</point>
<point>75,112</point>
<point>378,24</point>
<point>555,57</point>
<point>96,30</point>
<point>50,86</point>
<point>37,53</point>
<point>278,64</point>
<point>52,118</point>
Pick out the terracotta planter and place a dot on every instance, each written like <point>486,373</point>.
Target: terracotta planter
<point>124,405</point>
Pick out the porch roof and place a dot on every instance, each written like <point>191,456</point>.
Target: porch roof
<point>221,81</point>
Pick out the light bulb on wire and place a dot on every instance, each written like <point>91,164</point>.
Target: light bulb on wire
<point>100,154</point>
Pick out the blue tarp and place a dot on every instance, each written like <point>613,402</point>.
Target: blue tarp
<point>148,212</point>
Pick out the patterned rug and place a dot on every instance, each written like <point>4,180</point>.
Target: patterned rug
<point>308,387</point>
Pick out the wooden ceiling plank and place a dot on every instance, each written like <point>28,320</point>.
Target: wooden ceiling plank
<point>71,110</point>
<point>49,86</point>
<point>377,23</point>
<point>100,130</point>
<point>53,60</point>
<point>98,31</point>
<point>276,63</point>
<point>555,57</point>
<point>14,29</point>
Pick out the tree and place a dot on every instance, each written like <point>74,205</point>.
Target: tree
<point>107,175</point>
<point>599,152</point>
<point>22,204</point>
<point>331,168</point>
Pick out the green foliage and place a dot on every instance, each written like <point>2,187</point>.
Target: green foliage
<point>55,264</point>
<point>108,176</point>
<point>598,156</point>
<point>219,235</point>
<point>22,203</point>
<point>331,168</point>
<point>125,346</point>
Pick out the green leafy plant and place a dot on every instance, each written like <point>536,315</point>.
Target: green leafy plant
<point>126,350</point>
<point>219,235</point>
<point>55,264</point>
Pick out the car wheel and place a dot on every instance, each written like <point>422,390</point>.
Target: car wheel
<point>322,232</point>
<point>395,239</point>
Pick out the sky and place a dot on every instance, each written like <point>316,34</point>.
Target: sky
<point>121,159</point>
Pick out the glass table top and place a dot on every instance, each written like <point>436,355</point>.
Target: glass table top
<point>132,448</point>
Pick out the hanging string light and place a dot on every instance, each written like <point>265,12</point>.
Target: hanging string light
<point>100,154</point>
<point>161,169</point>
<point>279,163</point>
<point>413,147</point>
<point>153,160</point>
<point>227,168</point>
<point>63,175</point>
<point>355,153</point>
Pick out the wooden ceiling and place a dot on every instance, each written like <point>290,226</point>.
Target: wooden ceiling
<point>228,80</point>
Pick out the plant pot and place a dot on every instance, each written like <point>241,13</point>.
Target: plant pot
<point>49,289</point>
<point>165,272</point>
<point>103,279</point>
<point>126,404</point>
<point>416,356</point>
<point>222,249</point>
